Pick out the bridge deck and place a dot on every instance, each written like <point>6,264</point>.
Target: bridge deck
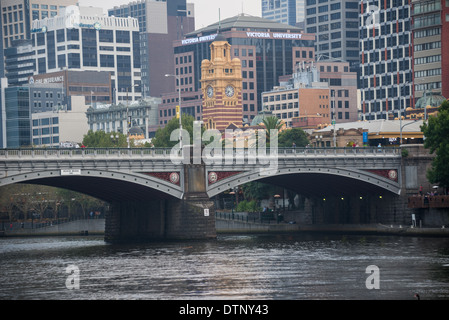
<point>166,154</point>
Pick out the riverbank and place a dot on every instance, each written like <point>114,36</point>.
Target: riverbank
<point>227,226</point>
<point>235,226</point>
<point>72,228</point>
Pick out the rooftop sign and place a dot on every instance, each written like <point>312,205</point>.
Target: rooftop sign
<point>249,34</point>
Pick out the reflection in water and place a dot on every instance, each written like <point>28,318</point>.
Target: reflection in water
<point>231,267</point>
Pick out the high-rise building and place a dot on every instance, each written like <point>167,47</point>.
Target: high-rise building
<point>284,11</point>
<point>20,62</point>
<point>160,23</point>
<point>267,50</point>
<point>17,16</point>
<point>336,25</point>
<point>430,47</point>
<point>83,39</point>
<point>386,76</point>
<point>3,82</point>
<point>2,64</point>
<point>16,117</point>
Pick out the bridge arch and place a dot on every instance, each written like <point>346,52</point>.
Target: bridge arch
<point>313,181</point>
<point>107,185</point>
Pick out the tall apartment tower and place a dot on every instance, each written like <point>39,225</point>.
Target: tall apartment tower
<point>430,47</point>
<point>160,23</point>
<point>386,76</point>
<point>336,25</point>
<point>20,62</point>
<point>284,11</point>
<point>17,16</point>
<point>83,39</point>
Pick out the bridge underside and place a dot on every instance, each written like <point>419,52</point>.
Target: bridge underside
<point>108,190</point>
<point>315,184</point>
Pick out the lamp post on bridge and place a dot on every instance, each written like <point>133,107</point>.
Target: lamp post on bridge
<point>128,117</point>
<point>180,110</point>
<point>115,139</point>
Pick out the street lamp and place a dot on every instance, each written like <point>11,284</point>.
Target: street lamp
<point>333,119</point>
<point>180,112</point>
<point>403,127</point>
<point>128,117</point>
<point>114,138</point>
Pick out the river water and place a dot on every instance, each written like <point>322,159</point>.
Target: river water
<point>234,267</point>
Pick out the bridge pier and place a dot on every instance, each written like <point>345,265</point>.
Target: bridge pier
<point>192,217</point>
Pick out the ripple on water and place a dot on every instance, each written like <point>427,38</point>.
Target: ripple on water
<point>231,267</point>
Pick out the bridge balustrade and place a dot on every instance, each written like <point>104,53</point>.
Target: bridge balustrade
<point>339,151</point>
<point>86,152</point>
<point>167,153</point>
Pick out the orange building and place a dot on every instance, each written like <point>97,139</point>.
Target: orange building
<point>221,84</point>
<point>288,104</point>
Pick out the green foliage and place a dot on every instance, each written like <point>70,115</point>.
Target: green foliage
<point>258,190</point>
<point>436,132</point>
<point>162,137</point>
<point>272,123</point>
<point>404,153</point>
<point>248,206</point>
<point>101,139</point>
<point>296,135</point>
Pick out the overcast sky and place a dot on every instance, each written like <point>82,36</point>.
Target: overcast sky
<point>206,11</point>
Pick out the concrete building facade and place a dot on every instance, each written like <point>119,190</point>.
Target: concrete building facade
<point>386,75</point>
<point>160,23</point>
<point>83,39</point>
<point>290,12</point>
<point>430,30</point>
<point>336,25</point>
<point>122,117</point>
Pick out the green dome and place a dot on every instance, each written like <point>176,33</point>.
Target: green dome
<point>430,99</point>
<point>260,117</point>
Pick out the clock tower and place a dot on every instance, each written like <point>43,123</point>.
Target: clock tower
<point>221,84</point>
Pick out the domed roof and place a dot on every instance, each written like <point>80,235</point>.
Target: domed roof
<point>258,119</point>
<point>135,131</point>
<point>430,99</point>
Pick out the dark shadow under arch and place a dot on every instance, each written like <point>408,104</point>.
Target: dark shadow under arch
<point>105,189</point>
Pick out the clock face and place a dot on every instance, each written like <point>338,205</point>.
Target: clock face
<point>210,91</point>
<point>229,91</point>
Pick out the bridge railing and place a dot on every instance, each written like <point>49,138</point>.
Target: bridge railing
<point>85,152</point>
<point>362,151</point>
<point>167,153</point>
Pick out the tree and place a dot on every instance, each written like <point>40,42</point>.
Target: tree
<point>101,139</point>
<point>272,123</point>
<point>258,190</point>
<point>162,137</point>
<point>296,135</point>
<point>436,132</point>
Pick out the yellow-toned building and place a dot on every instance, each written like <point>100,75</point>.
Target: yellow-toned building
<point>221,84</point>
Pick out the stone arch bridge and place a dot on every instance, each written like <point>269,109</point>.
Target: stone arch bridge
<point>156,193</point>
